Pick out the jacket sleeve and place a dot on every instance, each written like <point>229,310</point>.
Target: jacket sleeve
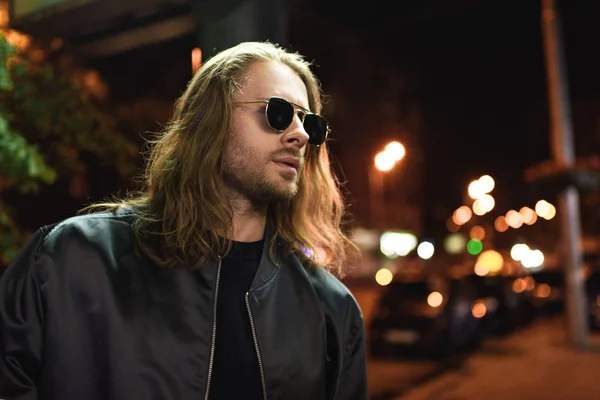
<point>21,320</point>
<point>353,382</point>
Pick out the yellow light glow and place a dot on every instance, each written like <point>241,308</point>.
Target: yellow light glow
<point>384,276</point>
<point>477,210</point>
<point>500,224</point>
<point>476,190</point>
<point>542,208</point>
<point>533,259</point>
<point>487,183</point>
<point>455,243</point>
<point>477,232</point>
<point>514,219</point>
<point>551,212</point>
<point>397,244</point>
<point>462,215</point>
<point>479,310</point>
<point>519,251</point>
<point>487,203</point>
<point>492,260</point>
<point>384,161</point>
<point>396,150</point>
<point>435,299</point>
<point>481,270</point>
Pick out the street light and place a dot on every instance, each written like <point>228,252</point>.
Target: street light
<point>384,161</point>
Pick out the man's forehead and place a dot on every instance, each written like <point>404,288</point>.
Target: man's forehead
<point>273,79</point>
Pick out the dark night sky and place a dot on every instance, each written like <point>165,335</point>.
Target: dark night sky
<point>481,86</point>
<point>474,70</point>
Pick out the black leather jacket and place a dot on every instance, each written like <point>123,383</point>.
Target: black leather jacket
<point>83,317</point>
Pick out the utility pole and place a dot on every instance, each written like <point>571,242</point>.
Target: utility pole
<point>564,155</point>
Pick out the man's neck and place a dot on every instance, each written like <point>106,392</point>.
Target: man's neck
<point>249,221</point>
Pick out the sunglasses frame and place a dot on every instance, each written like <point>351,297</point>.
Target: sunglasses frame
<point>296,107</point>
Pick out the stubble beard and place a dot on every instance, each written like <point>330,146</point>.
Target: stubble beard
<point>247,178</point>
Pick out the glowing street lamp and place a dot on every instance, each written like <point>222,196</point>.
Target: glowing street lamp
<point>384,161</point>
<point>395,150</point>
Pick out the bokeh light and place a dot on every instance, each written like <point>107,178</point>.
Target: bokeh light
<point>384,161</point>
<point>396,151</point>
<point>514,219</point>
<point>479,310</point>
<point>487,203</point>
<point>542,208</point>
<point>481,270</point>
<point>395,244</point>
<point>451,225</point>
<point>487,183</point>
<point>551,212</point>
<point>474,247</point>
<point>543,290</point>
<point>476,190</point>
<point>477,210</point>
<point>500,224</point>
<point>455,243</point>
<point>462,215</point>
<point>518,251</point>
<point>435,299</point>
<point>519,285</point>
<point>384,276</point>
<point>533,259</point>
<point>491,260</point>
<point>477,232</point>
<point>425,250</point>
<point>529,216</point>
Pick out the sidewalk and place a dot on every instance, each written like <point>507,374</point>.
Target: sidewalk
<point>533,363</point>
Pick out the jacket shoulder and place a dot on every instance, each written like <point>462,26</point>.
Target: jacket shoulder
<point>335,294</point>
<point>105,228</point>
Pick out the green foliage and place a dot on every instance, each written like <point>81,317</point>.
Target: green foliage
<point>49,117</point>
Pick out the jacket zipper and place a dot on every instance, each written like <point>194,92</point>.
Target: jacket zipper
<point>260,365</point>
<point>214,334</point>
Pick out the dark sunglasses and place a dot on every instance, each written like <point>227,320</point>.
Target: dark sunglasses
<point>280,114</point>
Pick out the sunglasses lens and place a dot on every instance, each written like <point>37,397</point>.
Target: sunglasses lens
<point>316,127</point>
<point>280,113</point>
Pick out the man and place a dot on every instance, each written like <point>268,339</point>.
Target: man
<point>213,282</point>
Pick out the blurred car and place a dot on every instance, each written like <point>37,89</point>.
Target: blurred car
<point>548,292</point>
<point>502,302</point>
<point>429,317</point>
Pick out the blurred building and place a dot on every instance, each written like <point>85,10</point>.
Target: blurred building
<point>102,28</point>
<point>143,49</point>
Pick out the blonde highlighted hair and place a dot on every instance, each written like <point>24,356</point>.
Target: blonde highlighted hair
<point>183,205</point>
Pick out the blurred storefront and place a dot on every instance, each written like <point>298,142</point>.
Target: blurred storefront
<point>102,28</point>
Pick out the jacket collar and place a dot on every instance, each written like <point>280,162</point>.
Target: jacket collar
<point>267,268</point>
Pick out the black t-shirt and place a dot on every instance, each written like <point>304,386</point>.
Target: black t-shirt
<point>236,373</point>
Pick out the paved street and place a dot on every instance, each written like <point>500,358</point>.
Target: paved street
<point>533,363</point>
<point>389,378</point>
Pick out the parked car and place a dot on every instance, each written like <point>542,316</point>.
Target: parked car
<point>549,291</point>
<point>428,317</point>
<point>504,302</point>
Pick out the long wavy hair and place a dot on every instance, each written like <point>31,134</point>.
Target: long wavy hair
<point>183,206</point>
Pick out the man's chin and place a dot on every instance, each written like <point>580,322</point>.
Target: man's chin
<point>285,193</point>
